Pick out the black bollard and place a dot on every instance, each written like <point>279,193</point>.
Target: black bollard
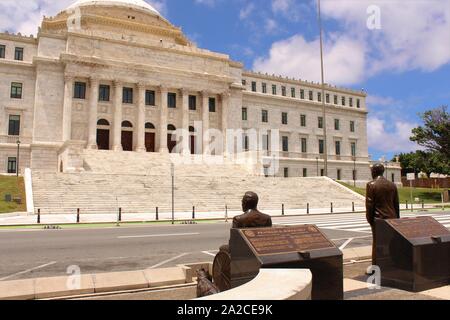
<point>423,204</point>
<point>332,207</point>
<point>39,216</point>
<point>282,209</point>
<point>193,213</point>
<point>120,214</point>
<point>78,215</point>
<point>353,207</point>
<point>406,204</point>
<point>157,214</point>
<point>307,208</point>
<point>226,213</point>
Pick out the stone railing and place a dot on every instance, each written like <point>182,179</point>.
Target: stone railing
<point>272,284</point>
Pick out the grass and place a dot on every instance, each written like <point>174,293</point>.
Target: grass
<point>15,187</point>
<point>428,195</point>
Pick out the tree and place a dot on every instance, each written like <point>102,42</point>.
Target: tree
<point>425,161</point>
<point>434,135</point>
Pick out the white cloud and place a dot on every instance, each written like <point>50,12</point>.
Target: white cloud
<point>290,9</point>
<point>209,3</point>
<point>296,57</point>
<point>246,11</point>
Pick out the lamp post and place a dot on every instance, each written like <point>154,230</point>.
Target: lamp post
<point>323,93</point>
<point>18,162</point>
<point>172,172</point>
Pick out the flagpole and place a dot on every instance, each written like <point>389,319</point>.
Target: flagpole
<point>323,95</point>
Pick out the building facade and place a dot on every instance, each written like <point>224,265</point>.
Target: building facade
<point>116,75</point>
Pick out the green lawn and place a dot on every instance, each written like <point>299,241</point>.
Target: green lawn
<point>15,187</point>
<point>428,195</point>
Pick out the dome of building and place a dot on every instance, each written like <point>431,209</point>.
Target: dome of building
<point>134,4</point>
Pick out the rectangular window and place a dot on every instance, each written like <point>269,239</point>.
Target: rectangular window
<point>303,120</point>
<point>293,92</point>
<point>338,148</point>
<point>192,103</point>
<point>265,116</point>
<point>335,99</point>
<point>103,93</point>
<point>358,103</point>
<point>321,147</point>
<point>14,125</point>
<point>127,95</point>
<point>343,101</point>
<point>150,98</point>
<point>302,94</point>
<point>18,54</point>
<point>393,177</point>
<point>285,143</point>
<point>16,90</point>
<point>212,104</point>
<point>274,89</point>
<point>339,174</point>
<point>264,87</point>
<point>253,86</point>
<point>320,123</point>
<point>319,97</point>
<point>12,165</point>
<point>311,97</point>
<point>327,97</point>
<point>284,118</point>
<point>304,145</point>
<point>322,172</point>
<point>350,102</point>
<point>286,172</point>
<point>283,91</point>
<point>353,148</point>
<point>2,51</point>
<point>352,126</point>
<point>79,90</point>
<point>337,124</point>
<point>305,172</point>
<point>171,100</point>
<point>244,114</point>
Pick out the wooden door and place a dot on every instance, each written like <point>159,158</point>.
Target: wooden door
<point>127,140</point>
<point>150,141</point>
<point>170,144</point>
<point>103,139</point>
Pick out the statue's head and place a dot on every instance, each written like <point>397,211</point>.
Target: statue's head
<point>250,201</point>
<point>377,170</point>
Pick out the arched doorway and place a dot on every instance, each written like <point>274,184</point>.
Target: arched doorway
<point>103,127</point>
<point>150,137</point>
<point>127,136</point>
<point>170,144</point>
<point>192,139</point>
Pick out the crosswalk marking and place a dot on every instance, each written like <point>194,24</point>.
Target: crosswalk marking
<point>355,222</point>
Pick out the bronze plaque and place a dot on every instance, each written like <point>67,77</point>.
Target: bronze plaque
<point>420,227</point>
<point>268,241</point>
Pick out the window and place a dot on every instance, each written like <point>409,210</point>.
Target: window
<point>171,100</point>
<point>319,97</point>
<point>127,124</point>
<point>283,91</point>
<point>339,174</point>
<point>335,99</point>
<point>244,82</point>
<point>305,172</point>
<point>16,90</point>
<point>12,165</point>
<point>284,118</point>
<point>311,97</point>
<point>302,94</point>
<point>343,101</point>
<point>2,51</point>
<point>293,92</point>
<point>264,87</point>
<point>253,86</point>
<point>150,98</point>
<point>103,93</point>
<point>245,142</point>
<point>352,126</point>
<point>244,114</point>
<point>127,95</point>
<point>350,101</point>
<point>303,120</point>
<point>274,89</point>
<point>285,142</point>
<point>353,148</point>
<point>304,145</point>
<point>18,54</point>
<point>80,90</point>
<point>320,124</point>
<point>321,147</point>
<point>322,172</point>
<point>338,148</point>
<point>358,103</point>
<point>212,104</point>
<point>265,116</point>
<point>192,103</point>
<point>286,172</point>
<point>14,125</point>
<point>337,124</point>
<point>327,97</point>
<point>393,177</point>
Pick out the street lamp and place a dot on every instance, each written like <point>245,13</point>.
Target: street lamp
<point>17,162</point>
<point>323,92</point>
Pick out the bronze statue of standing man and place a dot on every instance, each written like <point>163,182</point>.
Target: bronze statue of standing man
<point>381,202</point>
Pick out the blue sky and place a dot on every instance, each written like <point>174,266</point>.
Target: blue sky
<point>397,50</point>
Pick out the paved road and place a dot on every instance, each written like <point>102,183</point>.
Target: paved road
<point>40,253</point>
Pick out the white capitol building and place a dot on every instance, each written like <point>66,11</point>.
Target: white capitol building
<point>113,79</point>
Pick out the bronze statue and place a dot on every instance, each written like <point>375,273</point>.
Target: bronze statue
<point>381,202</point>
<point>204,285</point>
<point>252,218</point>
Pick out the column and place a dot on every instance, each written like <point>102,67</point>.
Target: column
<point>205,121</point>
<point>117,126</point>
<point>141,119</point>
<point>67,109</point>
<point>185,121</point>
<point>163,121</point>
<point>93,106</point>
<point>225,108</point>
